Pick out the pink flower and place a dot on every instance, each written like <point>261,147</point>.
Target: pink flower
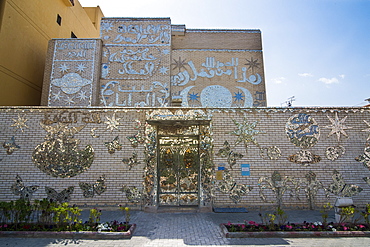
<point>251,222</point>
<point>289,227</point>
<point>361,226</point>
<point>229,223</point>
<point>345,228</point>
<point>243,226</point>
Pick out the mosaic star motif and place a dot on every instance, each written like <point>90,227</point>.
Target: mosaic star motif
<point>179,64</point>
<point>193,97</point>
<point>238,96</point>
<point>80,67</point>
<point>337,126</point>
<point>367,130</point>
<point>163,70</point>
<point>112,123</point>
<point>252,63</point>
<point>57,96</point>
<point>63,68</point>
<point>19,123</point>
<point>246,132</point>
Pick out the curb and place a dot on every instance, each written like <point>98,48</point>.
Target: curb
<point>70,235</point>
<point>293,234</point>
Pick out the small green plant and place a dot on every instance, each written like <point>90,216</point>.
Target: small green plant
<point>44,210</point>
<point>346,214</point>
<point>365,214</point>
<point>94,217</point>
<point>325,212</point>
<point>6,211</point>
<point>281,216</point>
<point>22,210</point>
<point>126,212</point>
<point>66,215</point>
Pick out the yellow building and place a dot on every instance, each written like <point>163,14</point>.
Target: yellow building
<point>26,26</point>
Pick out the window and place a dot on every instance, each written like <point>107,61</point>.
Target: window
<point>73,35</point>
<point>59,20</point>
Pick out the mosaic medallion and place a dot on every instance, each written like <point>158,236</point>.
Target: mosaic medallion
<point>302,130</point>
<point>59,155</point>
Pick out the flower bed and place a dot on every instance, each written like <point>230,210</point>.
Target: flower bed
<point>121,231</point>
<point>252,229</point>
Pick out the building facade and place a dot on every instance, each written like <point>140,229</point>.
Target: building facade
<point>152,114</point>
<point>26,26</point>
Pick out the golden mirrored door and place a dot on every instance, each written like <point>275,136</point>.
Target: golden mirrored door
<point>178,171</point>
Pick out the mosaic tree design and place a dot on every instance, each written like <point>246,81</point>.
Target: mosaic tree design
<point>279,185</point>
<point>59,155</point>
<point>311,187</point>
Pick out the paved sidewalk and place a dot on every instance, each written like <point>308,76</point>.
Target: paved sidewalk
<point>190,229</point>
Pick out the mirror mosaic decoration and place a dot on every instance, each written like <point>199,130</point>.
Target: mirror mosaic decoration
<point>11,146</point>
<point>19,123</point>
<point>133,194</point>
<point>302,130</point>
<point>279,185</point>
<point>337,126</point>
<point>231,156</point>
<point>367,130</point>
<point>90,189</point>
<point>114,145</point>
<point>270,153</point>
<point>246,133</point>
<point>132,161</point>
<point>304,157</point>
<point>63,196</point>
<point>19,189</point>
<point>59,155</point>
<point>311,187</point>
<point>112,122</point>
<point>365,157</point>
<point>340,188</point>
<point>228,186</point>
<point>335,152</point>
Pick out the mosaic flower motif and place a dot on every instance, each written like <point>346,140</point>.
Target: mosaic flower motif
<point>163,70</point>
<point>334,153</point>
<point>112,122</point>
<point>113,145</point>
<point>337,126</point>
<point>19,123</point>
<point>106,26</point>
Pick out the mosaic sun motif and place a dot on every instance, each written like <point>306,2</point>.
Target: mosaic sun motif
<point>302,130</point>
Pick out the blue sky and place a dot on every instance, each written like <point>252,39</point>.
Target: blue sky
<point>315,50</point>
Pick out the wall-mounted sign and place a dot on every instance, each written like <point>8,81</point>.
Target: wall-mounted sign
<point>245,169</point>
